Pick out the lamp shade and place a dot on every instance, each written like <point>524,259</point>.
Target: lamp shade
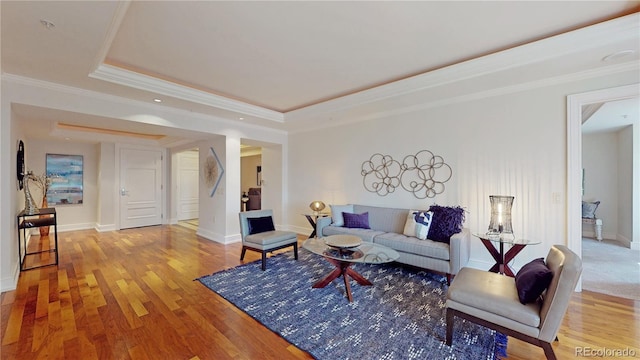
<point>501,214</point>
<point>317,206</point>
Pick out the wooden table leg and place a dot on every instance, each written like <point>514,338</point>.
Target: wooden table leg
<point>497,256</point>
<point>515,249</point>
<point>312,222</point>
<point>343,268</point>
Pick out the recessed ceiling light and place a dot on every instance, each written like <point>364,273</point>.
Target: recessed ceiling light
<point>618,54</point>
<point>157,100</point>
<point>48,24</point>
<point>240,118</point>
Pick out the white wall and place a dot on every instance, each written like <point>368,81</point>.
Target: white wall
<point>601,172</point>
<point>11,198</point>
<point>212,209</point>
<point>107,188</point>
<point>74,216</point>
<point>513,144</point>
<point>625,184</point>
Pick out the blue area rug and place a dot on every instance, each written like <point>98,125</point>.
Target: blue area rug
<point>402,316</point>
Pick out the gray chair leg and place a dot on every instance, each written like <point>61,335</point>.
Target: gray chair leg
<point>244,250</point>
<point>264,260</point>
<point>295,250</point>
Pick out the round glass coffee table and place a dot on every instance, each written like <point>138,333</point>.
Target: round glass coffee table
<point>345,250</point>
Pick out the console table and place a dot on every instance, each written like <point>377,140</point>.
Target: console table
<point>502,259</point>
<point>25,222</point>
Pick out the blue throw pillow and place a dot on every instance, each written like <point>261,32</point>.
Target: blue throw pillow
<point>532,279</point>
<point>260,224</point>
<point>446,222</point>
<point>360,221</point>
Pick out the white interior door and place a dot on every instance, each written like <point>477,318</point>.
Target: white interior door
<point>188,170</point>
<point>140,187</point>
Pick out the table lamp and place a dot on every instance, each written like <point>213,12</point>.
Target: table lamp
<point>500,215</point>
<point>317,206</point>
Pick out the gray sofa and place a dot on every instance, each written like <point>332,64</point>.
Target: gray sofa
<point>387,227</point>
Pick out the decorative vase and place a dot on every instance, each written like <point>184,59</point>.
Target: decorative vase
<point>44,230</point>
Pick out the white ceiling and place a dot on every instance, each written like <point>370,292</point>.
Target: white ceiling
<point>294,65</point>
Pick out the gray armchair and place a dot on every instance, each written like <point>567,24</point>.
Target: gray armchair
<point>264,241</point>
<point>491,300</point>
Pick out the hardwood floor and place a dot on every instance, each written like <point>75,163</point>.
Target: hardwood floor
<point>131,294</point>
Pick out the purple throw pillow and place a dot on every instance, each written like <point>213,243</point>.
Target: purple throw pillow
<point>360,221</point>
<point>532,279</point>
<point>446,222</point>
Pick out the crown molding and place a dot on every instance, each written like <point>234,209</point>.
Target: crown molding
<point>557,80</point>
<point>627,27</point>
<point>112,31</point>
<point>139,81</point>
<point>152,108</point>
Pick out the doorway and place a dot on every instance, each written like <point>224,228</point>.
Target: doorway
<point>251,177</point>
<point>140,187</point>
<point>187,184</point>
<point>575,104</point>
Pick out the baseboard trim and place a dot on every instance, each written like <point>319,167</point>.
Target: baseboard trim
<point>105,228</point>
<point>75,227</point>
<point>11,283</point>
<point>210,235</point>
<point>299,230</point>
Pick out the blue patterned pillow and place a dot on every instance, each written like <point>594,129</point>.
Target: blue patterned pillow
<point>360,221</point>
<point>418,224</point>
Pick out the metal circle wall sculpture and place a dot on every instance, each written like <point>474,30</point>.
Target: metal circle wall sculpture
<point>381,174</point>
<point>422,174</point>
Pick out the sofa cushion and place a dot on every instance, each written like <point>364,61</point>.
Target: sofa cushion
<point>364,234</point>
<point>447,220</point>
<point>336,213</point>
<point>532,280</point>
<point>260,224</point>
<point>360,221</point>
<point>384,219</point>
<point>418,223</point>
<point>413,245</point>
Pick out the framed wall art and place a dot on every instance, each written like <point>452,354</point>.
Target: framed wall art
<point>66,172</point>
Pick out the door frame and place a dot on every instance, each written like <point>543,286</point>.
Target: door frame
<point>163,176</point>
<point>574,161</point>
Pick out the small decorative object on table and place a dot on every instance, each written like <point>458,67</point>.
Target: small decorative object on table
<point>245,200</point>
<point>344,246</point>
<point>30,207</point>
<point>43,182</point>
